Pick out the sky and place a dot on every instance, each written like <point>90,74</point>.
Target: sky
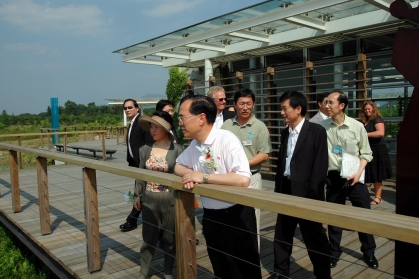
<point>63,49</point>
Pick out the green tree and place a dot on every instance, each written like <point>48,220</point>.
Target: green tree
<point>176,84</point>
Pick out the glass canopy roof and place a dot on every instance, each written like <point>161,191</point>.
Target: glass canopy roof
<point>226,38</point>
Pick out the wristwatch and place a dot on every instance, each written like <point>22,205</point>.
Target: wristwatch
<point>206,176</point>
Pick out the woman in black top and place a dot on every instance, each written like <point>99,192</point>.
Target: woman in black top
<point>379,168</point>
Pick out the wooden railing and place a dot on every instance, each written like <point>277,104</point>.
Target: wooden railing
<point>393,226</point>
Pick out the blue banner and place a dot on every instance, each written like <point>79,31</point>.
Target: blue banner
<point>55,122</point>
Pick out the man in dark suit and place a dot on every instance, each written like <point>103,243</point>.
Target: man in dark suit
<point>322,113</point>
<point>136,137</point>
<point>301,172</point>
<point>218,94</point>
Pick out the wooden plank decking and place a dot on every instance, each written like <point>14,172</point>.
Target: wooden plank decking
<point>120,251</point>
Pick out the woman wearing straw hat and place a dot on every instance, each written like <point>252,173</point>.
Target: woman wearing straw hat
<point>157,200</point>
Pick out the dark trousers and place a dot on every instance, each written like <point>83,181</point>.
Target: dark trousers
<point>359,197</point>
<point>232,242</point>
<point>315,239</point>
<point>133,216</point>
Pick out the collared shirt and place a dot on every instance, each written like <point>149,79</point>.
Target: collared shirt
<point>324,116</point>
<point>292,141</point>
<point>351,136</point>
<point>219,120</point>
<point>254,137</point>
<point>129,135</point>
<point>228,155</point>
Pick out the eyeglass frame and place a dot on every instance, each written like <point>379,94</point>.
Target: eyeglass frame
<point>182,118</point>
<point>128,107</point>
<point>220,99</point>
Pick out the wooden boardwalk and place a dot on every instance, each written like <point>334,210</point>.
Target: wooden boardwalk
<point>120,251</point>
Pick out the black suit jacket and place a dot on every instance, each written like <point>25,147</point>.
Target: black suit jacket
<point>308,164</point>
<point>228,114</point>
<point>138,138</point>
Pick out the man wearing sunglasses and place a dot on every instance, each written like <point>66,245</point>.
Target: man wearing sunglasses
<point>217,93</point>
<point>136,137</point>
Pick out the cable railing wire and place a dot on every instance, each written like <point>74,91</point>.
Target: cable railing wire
<point>80,194</point>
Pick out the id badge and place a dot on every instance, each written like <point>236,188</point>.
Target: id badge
<point>337,150</point>
<point>247,143</point>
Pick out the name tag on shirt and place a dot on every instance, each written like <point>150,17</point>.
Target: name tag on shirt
<point>247,142</point>
<point>337,150</point>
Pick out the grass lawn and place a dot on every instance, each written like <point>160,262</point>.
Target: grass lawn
<point>16,261</point>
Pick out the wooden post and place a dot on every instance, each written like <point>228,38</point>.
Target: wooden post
<point>14,180</point>
<point>125,135</point>
<point>308,81</point>
<point>42,139</point>
<point>65,143</point>
<point>19,142</point>
<point>85,136</point>
<point>91,214</point>
<point>43,195</point>
<point>239,77</point>
<point>362,84</point>
<point>211,80</point>
<point>103,146</point>
<point>117,135</point>
<point>185,235</point>
<point>270,72</point>
<point>49,138</point>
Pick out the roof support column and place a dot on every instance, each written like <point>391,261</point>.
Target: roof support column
<point>125,118</point>
<point>208,74</point>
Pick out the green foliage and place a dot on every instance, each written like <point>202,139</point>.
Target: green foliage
<point>176,84</point>
<point>16,261</point>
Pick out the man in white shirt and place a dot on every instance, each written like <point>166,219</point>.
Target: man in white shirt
<point>216,156</point>
<point>322,113</point>
<point>217,93</point>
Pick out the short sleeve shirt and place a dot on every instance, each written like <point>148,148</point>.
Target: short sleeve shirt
<point>228,155</point>
<point>254,137</point>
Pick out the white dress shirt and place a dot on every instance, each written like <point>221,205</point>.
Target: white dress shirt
<point>292,141</point>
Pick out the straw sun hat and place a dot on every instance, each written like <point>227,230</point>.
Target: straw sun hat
<point>145,122</point>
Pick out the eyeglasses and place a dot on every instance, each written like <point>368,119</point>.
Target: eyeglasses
<point>182,118</point>
<point>221,99</point>
<point>129,107</point>
<point>242,105</point>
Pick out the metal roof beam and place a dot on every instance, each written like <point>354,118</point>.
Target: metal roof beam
<point>237,26</point>
<point>146,61</point>
<point>382,4</point>
<point>172,54</point>
<point>207,46</point>
<point>306,21</point>
<point>250,36</point>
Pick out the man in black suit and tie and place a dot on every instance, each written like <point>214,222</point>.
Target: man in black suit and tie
<point>301,172</point>
<point>136,137</point>
<point>218,94</point>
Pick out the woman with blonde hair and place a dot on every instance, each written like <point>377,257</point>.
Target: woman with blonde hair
<point>155,200</point>
<point>379,168</point>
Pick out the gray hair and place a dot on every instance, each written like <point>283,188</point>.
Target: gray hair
<point>214,89</point>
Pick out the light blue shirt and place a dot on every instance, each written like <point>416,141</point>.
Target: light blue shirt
<point>292,141</point>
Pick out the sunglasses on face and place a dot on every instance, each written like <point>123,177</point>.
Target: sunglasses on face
<point>129,107</point>
<point>221,99</point>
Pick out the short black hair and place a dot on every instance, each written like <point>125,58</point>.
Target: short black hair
<point>165,115</point>
<point>244,92</point>
<point>133,101</point>
<point>342,98</point>
<point>202,104</point>
<point>162,103</point>
<point>321,96</point>
<point>296,99</point>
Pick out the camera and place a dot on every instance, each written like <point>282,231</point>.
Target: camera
<point>347,184</point>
